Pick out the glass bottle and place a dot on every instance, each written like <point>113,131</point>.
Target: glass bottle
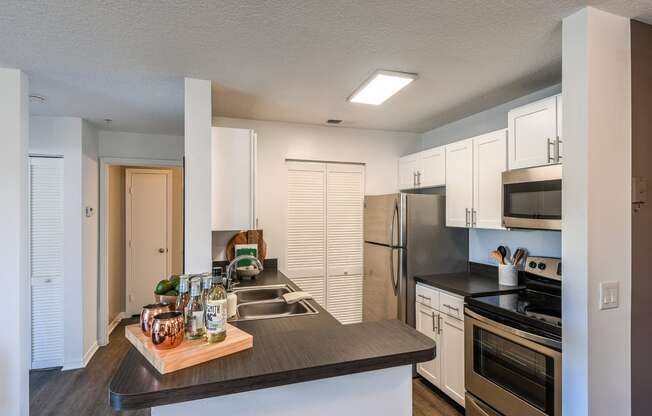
<point>206,285</point>
<point>183,297</point>
<point>194,312</point>
<point>216,311</point>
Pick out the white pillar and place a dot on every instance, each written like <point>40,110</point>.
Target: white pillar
<point>596,228</point>
<point>197,152</point>
<point>14,342</point>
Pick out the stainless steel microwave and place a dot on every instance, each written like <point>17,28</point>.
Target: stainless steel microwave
<point>532,198</point>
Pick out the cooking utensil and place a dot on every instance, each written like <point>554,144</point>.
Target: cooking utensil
<point>497,256</point>
<point>167,330</point>
<point>149,312</point>
<point>503,252</point>
<point>518,256</point>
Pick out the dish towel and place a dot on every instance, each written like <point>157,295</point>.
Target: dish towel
<point>294,297</point>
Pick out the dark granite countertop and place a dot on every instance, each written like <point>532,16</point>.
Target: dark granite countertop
<point>286,350</point>
<point>479,280</point>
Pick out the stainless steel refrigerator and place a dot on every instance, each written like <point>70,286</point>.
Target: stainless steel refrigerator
<point>405,236</point>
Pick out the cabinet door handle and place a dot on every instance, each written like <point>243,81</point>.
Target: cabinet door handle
<point>414,179</point>
<point>418,178</point>
<point>466,216</point>
<point>433,323</point>
<point>557,153</point>
<point>439,324</point>
<point>474,215</point>
<point>549,143</point>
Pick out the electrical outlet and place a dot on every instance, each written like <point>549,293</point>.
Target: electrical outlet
<point>608,295</point>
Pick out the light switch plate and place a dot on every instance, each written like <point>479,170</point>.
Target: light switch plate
<point>608,295</point>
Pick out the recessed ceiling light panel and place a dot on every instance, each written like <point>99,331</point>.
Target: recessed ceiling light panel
<point>380,86</point>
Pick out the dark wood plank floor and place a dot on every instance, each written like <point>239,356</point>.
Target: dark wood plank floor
<point>85,391</point>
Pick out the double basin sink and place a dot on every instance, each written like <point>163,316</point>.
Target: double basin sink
<point>264,302</point>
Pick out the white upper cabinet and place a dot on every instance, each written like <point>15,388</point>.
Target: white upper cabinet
<point>533,134</point>
<point>408,166</point>
<point>433,168</point>
<point>459,183</point>
<point>233,179</point>
<point>425,169</point>
<point>489,162</point>
<point>474,181</point>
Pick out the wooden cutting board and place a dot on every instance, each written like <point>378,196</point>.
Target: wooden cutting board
<point>190,352</point>
<point>247,237</point>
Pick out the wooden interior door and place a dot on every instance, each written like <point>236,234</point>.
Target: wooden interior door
<point>149,229</point>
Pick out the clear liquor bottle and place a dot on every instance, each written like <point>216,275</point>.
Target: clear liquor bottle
<point>216,311</point>
<point>184,296</point>
<point>206,285</point>
<point>194,312</point>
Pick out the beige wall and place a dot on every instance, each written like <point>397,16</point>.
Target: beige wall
<point>116,240</point>
<point>116,233</point>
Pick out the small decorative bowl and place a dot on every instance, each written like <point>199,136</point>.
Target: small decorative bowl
<point>168,330</point>
<point>148,313</point>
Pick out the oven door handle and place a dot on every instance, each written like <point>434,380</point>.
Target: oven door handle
<point>478,408</point>
<point>527,335</point>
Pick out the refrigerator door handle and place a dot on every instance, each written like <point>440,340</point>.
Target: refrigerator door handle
<point>392,273</point>
<point>391,228</point>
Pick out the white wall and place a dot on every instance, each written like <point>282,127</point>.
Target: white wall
<point>90,235</point>
<point>140,146</point>
<point>486,121</point>
<point>14,342</point>
<point>278,141</point>
<point>197,149</point>
<point>596,241</point>
<point>62,136</point>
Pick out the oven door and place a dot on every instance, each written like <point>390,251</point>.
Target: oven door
<point>532,198</point>
<point>512,374</point>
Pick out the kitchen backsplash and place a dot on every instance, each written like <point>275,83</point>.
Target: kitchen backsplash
<point>538,243</point>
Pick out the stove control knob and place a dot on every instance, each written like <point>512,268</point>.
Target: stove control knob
<point>542,266</point>
<point>533,265</point>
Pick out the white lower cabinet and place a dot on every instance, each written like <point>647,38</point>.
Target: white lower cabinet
<point>452,364</point>
<point>427,321</point>
<point>446,371</point>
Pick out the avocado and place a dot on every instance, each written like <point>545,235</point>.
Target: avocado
<point>172,293</point>
<point>163,286</point>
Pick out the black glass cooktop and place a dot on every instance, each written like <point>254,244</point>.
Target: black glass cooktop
<point>528,307</point>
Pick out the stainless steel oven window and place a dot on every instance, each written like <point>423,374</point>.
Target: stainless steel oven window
<point>524,372</point>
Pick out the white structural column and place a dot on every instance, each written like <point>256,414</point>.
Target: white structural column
<point>596,227</point>
<point>14,342</point>
<point>197,153</point>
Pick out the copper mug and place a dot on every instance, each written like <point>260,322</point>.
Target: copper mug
<point>149,312</point>
<point>168,330</point>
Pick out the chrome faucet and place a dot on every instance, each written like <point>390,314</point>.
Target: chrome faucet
<point>231,267</point>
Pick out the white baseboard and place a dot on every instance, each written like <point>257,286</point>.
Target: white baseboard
<point>89,354</point>
<point>73,365</point>
<point>119,317</point>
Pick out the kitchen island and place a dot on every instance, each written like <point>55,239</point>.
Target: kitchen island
<point>298,364</point>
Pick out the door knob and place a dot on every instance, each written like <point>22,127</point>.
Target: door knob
<point>161,250</point>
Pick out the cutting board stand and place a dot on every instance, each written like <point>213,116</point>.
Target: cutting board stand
<point>190,352</point>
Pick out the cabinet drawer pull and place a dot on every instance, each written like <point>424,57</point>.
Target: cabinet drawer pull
<point>424,297</point>
<point>456,309</point>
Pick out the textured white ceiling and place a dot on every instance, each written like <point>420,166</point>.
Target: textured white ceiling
<point>286,60</point>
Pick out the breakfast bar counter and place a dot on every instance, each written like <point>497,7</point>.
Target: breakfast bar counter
<point>313,354</point>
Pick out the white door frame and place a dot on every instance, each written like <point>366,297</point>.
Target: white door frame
<point>129,172</point>
<point>105,162</point>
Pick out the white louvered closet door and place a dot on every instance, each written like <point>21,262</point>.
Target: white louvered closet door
<point>306,227</point>
<point>46,260</point>
<point>345,199</point>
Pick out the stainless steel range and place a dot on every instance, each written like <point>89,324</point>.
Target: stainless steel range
<point>513,347</point>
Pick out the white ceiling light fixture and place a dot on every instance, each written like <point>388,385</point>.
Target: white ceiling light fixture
<point>380,86</point>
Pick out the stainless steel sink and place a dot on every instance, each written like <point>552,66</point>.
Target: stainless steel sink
<point>257,294</point>
<point>264,302</point>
